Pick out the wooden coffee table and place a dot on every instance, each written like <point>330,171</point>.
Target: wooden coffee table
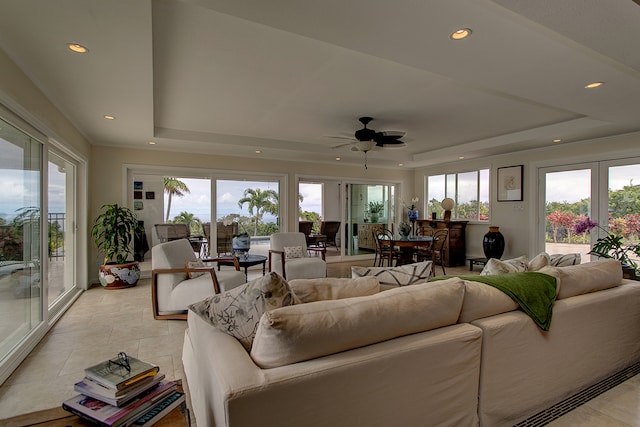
<point>58,417</point>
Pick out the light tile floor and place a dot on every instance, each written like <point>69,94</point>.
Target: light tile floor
<point>102,323</point>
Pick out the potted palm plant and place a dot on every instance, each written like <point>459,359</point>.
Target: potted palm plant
<point>113,233</point>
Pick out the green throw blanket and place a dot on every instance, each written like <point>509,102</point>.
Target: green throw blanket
<point>534,292</point>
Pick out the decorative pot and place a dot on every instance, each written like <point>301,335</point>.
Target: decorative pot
<point>241,243</point>
<point>374,217</point>
<point>493,243</point>
<point>119,276</point>
<point>412,214</point>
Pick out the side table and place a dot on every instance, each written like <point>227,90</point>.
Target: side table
<point>246,262</point>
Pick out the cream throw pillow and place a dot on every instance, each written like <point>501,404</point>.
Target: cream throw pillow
<point>237,311</point>
<point>496,266</point>
<point>539,261</point>
<point>192,265</point>
<point>403,275</point>
<point>301,332</point>
<point>291,252</point>
<point>327,288</point>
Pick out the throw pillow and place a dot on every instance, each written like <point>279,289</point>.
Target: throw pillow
<point>539,261</point>
<point>496,266</point>
<point>291,252</point>
<point>403,275</point>
<point>238,311</point>
<point>563,260</point>
<point>194,265</point>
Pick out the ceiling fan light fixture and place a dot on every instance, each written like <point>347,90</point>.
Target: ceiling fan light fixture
<point>365,145</point>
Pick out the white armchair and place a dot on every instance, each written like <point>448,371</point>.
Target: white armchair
<point>175,285</point>
<point>298,264</point>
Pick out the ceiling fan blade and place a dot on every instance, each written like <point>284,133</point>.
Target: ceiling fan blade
<point>394,133</point>
<point>342,145</point>
<point>350,138</point>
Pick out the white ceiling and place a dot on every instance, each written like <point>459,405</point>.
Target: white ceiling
<point>285,76</point>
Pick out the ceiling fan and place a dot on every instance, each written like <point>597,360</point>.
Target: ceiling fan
<point>365,139</point>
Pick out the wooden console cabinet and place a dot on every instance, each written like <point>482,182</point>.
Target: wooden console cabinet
<point>365,235</point>
<point>455,246</point>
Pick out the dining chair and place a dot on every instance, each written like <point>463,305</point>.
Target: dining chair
<point>384,249</point>
<point>423,253</point>
<point>438,249</point>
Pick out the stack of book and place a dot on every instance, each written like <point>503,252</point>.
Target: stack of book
<point>124,392</point>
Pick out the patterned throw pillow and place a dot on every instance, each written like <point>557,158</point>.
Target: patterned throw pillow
<point>238,311</point>
<point>496,266</point>
<point>404,275</point>
<point>192,265</point>
<point>291,252</point>
<point>563,260</point>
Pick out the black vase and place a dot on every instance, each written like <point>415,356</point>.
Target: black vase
<point>493,243</point>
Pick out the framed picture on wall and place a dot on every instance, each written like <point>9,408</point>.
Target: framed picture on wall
<point>137,185</point>
<point>137,195</point>
<point>150,195</point>
<point>137,206</point>
<point>510,184</point>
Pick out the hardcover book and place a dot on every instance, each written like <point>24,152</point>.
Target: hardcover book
<point>98,391</point>
<point>106,415</point>
<point>117,377</point>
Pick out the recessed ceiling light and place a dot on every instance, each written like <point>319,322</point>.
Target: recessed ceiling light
<point>77,48</point>
<point>400,164</point>
<point>258,151</point>
<point>461,158</point>
<point>557,140</point>
<point>338,158</point>
<point>594,85</point>
<point>152,143</point>
<point>460,34</point>
<point>108,117</point>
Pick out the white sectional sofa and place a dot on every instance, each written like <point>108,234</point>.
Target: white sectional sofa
<point>451,353</point>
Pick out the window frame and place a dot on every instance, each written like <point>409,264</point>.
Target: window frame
<point>449,179</point>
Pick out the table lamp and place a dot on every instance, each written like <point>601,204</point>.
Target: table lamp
<point>447,204</point>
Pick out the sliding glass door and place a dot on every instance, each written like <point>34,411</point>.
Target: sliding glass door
<point>21,308</point>
<point>61,229</point>
<point>369,207</point>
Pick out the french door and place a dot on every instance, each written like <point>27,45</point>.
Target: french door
<point>603,191</point>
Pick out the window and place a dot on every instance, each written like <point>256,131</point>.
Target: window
<point>469,190</point>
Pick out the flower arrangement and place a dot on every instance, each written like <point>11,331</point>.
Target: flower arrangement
<point>234,218</point>
<point>414,203</point>
<point>611,246</point>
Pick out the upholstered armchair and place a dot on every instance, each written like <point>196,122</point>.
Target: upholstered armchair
<point>179,279</point>
<point>289,257</point>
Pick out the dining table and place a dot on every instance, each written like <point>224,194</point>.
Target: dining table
<point>406,244</point>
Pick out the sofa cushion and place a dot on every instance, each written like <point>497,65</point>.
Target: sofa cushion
<point>481,300</point>
<point>326,288</point>
<point>496,266</point>
<point>403,275</point>
<point>237,311</point>
<point>589,277</point>
<point>307,331</point>
<point>563,260</point>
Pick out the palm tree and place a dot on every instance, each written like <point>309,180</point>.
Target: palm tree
<point>174,187</point>
<point>195,224</point>
<point>262,201</point>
